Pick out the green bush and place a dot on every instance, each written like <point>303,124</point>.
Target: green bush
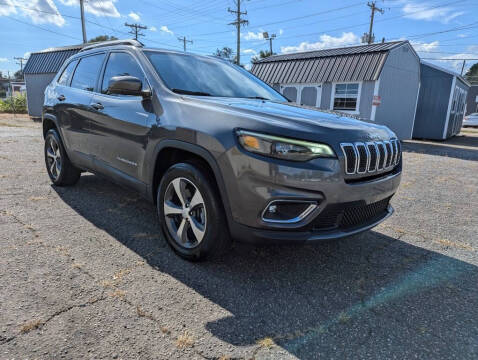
<point>17,104</point>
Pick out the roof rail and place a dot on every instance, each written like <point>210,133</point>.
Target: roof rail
<point>131,42</point>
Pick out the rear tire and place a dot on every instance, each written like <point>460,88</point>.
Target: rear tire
<point>59,167</point>
<point>191,213</point>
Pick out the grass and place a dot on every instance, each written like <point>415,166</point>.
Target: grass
<point>31,325</point>
<point>343,317</point>
<point>266,343</point>
<point>118,293</point>
<point>37,198</point>
<point>185,340</point>
<point>449,243</point>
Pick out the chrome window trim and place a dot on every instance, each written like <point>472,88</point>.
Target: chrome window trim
<point>312,206</point>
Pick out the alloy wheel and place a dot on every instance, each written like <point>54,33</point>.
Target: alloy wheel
<point>53,158</point>
<point>184,212</point>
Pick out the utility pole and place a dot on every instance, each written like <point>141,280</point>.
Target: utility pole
<point>463,67</point>
<point>372,6</point>
<point>83,29</point>
<point>239,21</point>
<point>20,62</point>
<point>184,41</point>
<point>266,36</point>
<point>135,29</point>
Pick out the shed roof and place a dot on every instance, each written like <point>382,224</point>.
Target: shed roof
<point>353,63</point>
<point>49,60</point>
<point>451,72</point>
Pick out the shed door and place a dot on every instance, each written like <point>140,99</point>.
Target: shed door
<point>303,94</point>
<point>311,95</point>
<point>290,92</point>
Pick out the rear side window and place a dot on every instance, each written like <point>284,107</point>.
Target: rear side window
<point>65,75</point>
<point>121,64</point>
<point>86,72</point>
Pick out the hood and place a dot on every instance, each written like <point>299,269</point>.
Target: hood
<point>301,119</point>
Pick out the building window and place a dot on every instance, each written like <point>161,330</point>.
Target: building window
<point>346,97</point>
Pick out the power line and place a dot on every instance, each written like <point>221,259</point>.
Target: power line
<point>184,41</point>
<point>371,37</point>
<point>239,21</point>
<point>135,29</point>
<point>42,28</point>
<point>20,62</point>
<point>83,28</point>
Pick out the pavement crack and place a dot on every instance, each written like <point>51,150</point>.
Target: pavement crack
<point>42,323</point>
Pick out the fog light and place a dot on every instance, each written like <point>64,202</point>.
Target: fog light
<point>287,211</point>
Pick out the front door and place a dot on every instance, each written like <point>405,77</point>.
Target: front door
<point>121,123</point>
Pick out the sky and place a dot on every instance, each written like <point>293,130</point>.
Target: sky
<point>438,29</point>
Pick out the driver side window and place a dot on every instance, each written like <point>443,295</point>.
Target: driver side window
<point>121,64</point>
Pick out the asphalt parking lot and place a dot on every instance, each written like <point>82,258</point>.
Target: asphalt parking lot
<point>85,273</point>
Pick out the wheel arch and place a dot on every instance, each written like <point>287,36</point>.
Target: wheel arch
<point>50,122</point>
<point>173,151</point>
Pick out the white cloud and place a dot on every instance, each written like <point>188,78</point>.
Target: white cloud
<point>326,41</point>
<point>249,51</point>
<point>7,8</point>
<point>281,31</point>
<point>153,28</point>
<point>456,65</point>
<point>3,59</point>
<point>39,11</point>
<point>166,30</point>
<point>462,35</point>
<point>429,12</point>
<point>98,8</point>
<point>252,35</point>
<point>134,16</point>
<point>425,47</point>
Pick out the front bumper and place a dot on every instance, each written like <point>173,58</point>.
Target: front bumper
<point>252,182</point>
<point>250,235</point>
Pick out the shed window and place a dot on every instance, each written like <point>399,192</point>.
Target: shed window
<point>346,96</point>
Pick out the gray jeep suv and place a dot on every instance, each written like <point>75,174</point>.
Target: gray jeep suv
<point>220,153</point>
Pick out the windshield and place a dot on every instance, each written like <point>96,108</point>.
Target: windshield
<point>187,74</point>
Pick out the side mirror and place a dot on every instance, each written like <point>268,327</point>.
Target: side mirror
<point>126,85</point>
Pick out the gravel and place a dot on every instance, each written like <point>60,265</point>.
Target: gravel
<point>85,273</point>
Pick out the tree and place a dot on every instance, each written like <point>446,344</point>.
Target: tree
<point>18,75</point>
<point>102,38</point>
<point>224,53</point>
<point>472,74</point>
<point>262,55</point>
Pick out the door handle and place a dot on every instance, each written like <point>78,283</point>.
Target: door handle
<point>98,106</point>
<point>61,97</point>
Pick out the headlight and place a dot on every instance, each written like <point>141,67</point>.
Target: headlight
<point>283,148</point>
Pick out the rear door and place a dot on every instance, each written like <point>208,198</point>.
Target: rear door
<point>121,123</point>
<point>74,101</point>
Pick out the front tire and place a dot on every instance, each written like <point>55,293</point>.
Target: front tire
<point>59,167</point>
<point>191,213</point>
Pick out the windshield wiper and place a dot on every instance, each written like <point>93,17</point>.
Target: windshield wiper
<point>256,97</point>
<point>189,92</point>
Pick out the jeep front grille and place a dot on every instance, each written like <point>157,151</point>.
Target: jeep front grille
<point>370,157</point>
